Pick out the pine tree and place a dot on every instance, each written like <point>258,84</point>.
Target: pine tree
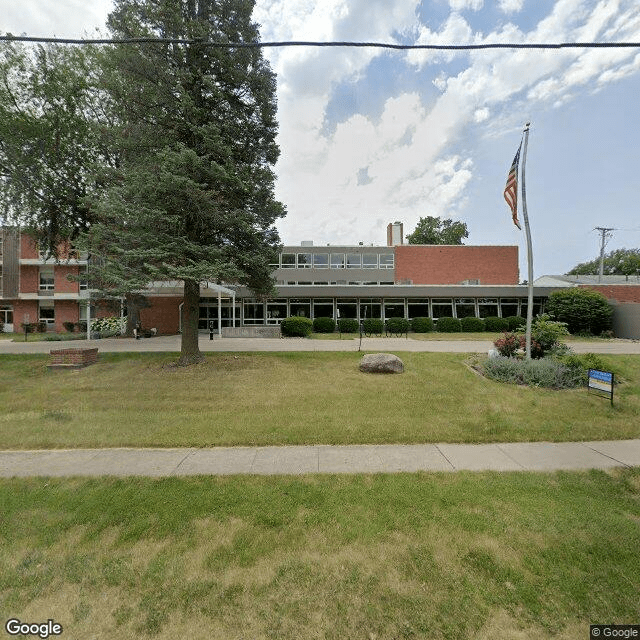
<point>192,199</point>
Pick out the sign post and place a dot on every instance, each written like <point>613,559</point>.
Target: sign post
<point>601,383</point>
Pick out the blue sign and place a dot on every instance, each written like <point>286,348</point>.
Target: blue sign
<point>601,383</point>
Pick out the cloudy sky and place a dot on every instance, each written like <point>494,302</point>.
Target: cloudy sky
<point>370,136</point>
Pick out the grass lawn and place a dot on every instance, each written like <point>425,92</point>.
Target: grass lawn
<point>432,556</point>
<point>294,398</point>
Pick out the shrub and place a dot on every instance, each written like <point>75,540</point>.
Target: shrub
<point>449,325</point>
<point>581,309</point>
<point>41,327</point>
<point>296,326</point>
<point>507,345</point>
<point>324,325</point>
<point>81,326</point>
<point>1,326</point>
<point>421,325</point>
<point>69,326</point>
<point>108,326</point>
<point>471,324</point>
<point>581,363</point>
<point>546,372</point>
<point>515,322</point>
<point>397,325</point>
<point>495,324</point>
<point>373,325</point>
<point>348,325</point>
<point>547,333</point>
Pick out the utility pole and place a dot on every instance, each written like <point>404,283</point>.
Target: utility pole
<point>605,231</point>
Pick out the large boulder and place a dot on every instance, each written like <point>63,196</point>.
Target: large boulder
<point>381,363</point>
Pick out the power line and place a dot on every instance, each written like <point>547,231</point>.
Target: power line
<point>305,43</point>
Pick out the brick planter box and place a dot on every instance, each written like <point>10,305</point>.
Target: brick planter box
<point>72,358</point>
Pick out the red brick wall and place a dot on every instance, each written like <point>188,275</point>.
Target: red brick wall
<point>619,292</point>
<point>445,264</point>
<point>29,278</point>
<point>163,314</point>
<point>28,248</point>
<point>22,307</point>
<point>62,282</point>
<point>66,311</point>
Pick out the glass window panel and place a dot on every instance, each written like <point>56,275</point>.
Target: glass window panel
<point>321,260</point>
<point>288,260</point>
<point>370,309</point>
<point>354,261</point>
<point>442,307</point>
<point>323,308</point>
<point>304,260</point>
<point>300,308</point>
<point>337,260</point>
<point>487,310</point>
<point>465,307</point>
<point>370,260</point>
<point>386,260</point>
<point>394,308</point>
<point>508,307</point>
<point>276,311</point>
<point>347,309</point>
<point>418,309</point>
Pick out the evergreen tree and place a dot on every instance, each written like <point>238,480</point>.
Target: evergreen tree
<point>192,199</point>
<point>432,230</point>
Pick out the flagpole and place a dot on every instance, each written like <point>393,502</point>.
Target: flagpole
<point>529,247</point>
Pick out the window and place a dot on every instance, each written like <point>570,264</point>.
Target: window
<point>465,308</point>
<point>337,260</point>
<point>394,308</point>
<point>354,261</point>
<point>508,307</point>
<point>347,308</point>
<point>418,308</point>
<point>300,307</point>
<point>84,279</point>
<point>370,308</point>
<point>288,260</point>
<point>253,311</point>
<point>305,260</point>
<point>386,260</point>
<point>369,261</point>
<point>276,310</point>
<point>321,260</point>
<point>6,315</point>
<point>487,307</point>
<point>323,308</point>
<point>47,313</point>
<point>47,279</point>
<point>442,307</point>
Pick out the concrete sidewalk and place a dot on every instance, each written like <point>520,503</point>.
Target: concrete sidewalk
<point>172,344</point>
<point>298,460</point>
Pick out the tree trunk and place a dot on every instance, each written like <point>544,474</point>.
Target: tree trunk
<point>189,349</point>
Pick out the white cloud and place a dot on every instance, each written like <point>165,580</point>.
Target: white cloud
<point>460,5</point>
<point>510,6</point>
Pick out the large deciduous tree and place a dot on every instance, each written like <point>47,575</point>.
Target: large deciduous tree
<point>624,262</point>
<point>432,230</point>
<point>192,199</point>
<point>53,117</point>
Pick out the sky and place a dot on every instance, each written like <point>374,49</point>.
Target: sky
<point>372,136</point>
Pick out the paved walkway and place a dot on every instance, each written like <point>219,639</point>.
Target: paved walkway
<point>296,460</point>
<point>172,344</point>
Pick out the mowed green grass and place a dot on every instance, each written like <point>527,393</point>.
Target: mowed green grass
<point>294,398</point>
<point>433,556</point>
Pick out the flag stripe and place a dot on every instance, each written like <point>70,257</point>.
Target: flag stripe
<point>511,190</point>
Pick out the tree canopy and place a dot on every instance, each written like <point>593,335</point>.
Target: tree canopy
<point>433,230</point>
<point>625,262</point>
<point>584,310</point>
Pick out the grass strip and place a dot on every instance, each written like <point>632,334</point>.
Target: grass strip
<point>140,399</point>
<point>386,556</point>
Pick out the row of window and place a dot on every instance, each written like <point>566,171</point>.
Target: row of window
<point>47,279</point>
<point>303,283</point>
<point>255,312</point>
<point>335,261</point>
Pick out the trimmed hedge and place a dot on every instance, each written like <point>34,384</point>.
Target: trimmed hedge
<point>373,325</point>
<point>348,325</point>
<point>422,325</point>
<point>324,325</point>
<point>495,324</point>
<point>296,326</point>
<point>471,324</point>
<point>397,325</point>
<point>515,322</point>
<point>449,325</point>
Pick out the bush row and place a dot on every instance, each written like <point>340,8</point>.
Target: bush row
<point>399,325</point>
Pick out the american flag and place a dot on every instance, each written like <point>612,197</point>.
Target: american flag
<point>511,190</point>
